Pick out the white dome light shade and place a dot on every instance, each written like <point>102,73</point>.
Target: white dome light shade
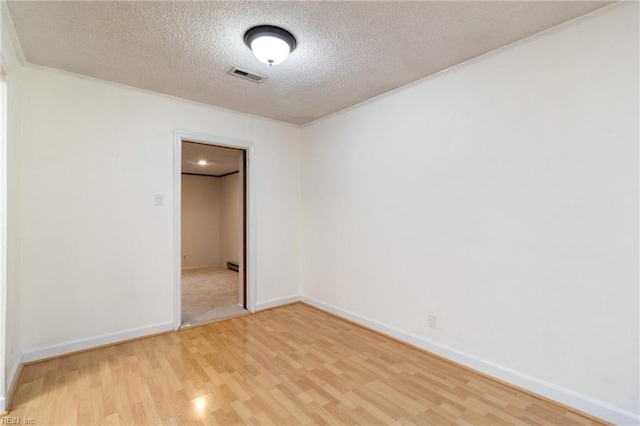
<point>270,50</point>
<point>271,45</point>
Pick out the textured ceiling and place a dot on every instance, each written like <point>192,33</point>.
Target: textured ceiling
<point>347,51</point>
<point>220,161</point>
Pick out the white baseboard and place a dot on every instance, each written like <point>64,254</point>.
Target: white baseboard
<point>12,382</point>
<point>186,268</point>
<point>546,389</point>
<point>274,303</point>
<point>94,342</point>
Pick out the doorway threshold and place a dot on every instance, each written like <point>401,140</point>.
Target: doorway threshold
<point>240,313</point>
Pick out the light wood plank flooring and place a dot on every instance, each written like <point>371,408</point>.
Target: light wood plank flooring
<point>290,365</point>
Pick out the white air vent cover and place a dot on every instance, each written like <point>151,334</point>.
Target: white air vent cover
<point>246,75</point>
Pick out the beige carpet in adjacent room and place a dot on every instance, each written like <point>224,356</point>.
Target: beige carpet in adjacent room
<point>208,294</point>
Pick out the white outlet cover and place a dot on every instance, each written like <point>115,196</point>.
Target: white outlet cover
<point>432,321</point>
<point>158,199</point>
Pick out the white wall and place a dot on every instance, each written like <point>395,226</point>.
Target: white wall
<point>501,196</point>
<point>201,215</point>
<point>230,219</point>
<point>211,219</point>
<point>96,254</point>
<point>10,355</point>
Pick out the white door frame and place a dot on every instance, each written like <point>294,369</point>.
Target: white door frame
<point>250,238</point>
<point>4,389</point>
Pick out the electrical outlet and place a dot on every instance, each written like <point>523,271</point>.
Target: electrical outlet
<point>158,199</point>
<point>432,320</point>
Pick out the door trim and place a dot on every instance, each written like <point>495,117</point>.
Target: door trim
<point>250,220</point>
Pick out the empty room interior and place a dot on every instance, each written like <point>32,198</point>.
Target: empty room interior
<point>310,212</point>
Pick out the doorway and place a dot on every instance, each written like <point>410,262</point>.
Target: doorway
<point>213,232</point>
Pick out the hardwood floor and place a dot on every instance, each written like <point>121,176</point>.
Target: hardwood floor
<point>290,365</point>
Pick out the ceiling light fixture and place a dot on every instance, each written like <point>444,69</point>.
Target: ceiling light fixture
<point>202,162</point>
<point>270,44</point>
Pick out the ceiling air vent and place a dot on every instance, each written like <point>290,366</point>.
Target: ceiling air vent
<point>246,75</point>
